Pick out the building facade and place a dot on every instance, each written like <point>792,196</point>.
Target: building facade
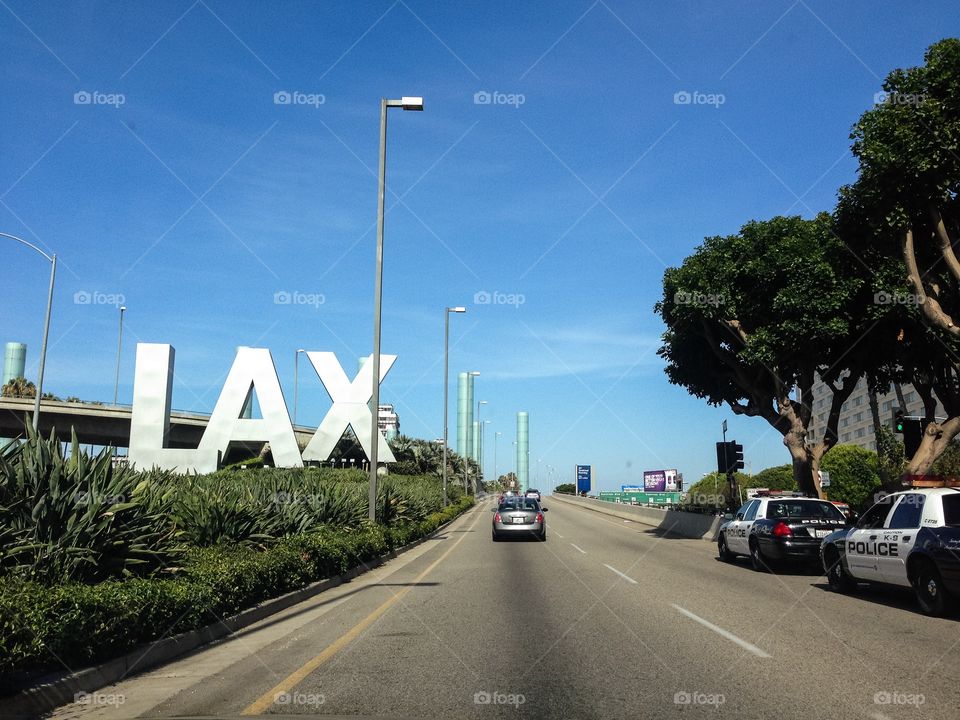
<point>856,420</point>
<point>388,421</point>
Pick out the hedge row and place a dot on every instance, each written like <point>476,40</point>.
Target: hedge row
<point>43,628</point>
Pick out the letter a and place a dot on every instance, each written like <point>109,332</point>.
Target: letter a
<point>253,369</point>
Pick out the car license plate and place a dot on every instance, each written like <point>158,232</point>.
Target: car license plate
<point>821,533</point>
<point>519,520</point>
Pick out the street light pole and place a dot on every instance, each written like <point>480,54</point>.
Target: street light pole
<point>482,451</point>
<point>496,475</point>
<point>446,401</point>
<point>46,323</point>
<point>296,380</point>
<point>407,103</point>
<point>116,380</point>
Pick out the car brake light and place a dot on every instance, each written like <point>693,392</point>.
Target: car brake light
<point>539,517</point>
<point>781,529</point>
<point>496,518</point>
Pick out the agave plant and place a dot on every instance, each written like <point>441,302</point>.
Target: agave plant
<point>78,517</point>
<point>212,510</point>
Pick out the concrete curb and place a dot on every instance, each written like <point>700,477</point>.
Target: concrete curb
<point>674,522</point>
<point>53,693</point>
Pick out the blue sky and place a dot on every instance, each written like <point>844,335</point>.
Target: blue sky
<point>183,189</point>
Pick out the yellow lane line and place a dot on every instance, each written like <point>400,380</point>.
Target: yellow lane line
<point>265,701</point>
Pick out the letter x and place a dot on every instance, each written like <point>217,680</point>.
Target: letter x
<point>350,406</point>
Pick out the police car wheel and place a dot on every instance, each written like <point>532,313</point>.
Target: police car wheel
<point>837,577</point>
<point>722,550</point>
<point>931,595</point>
<point>757,560</point>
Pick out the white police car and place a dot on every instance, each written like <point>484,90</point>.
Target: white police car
<point>909,539</point>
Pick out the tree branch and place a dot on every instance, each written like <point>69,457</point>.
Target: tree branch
<point>943,240</point>
<point>931,308</point>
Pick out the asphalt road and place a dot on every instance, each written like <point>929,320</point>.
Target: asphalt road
<point>604,620</point>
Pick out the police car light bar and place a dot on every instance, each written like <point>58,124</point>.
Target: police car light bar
<point>931,481</point>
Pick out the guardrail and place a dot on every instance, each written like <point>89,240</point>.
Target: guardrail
<point>669,522</point>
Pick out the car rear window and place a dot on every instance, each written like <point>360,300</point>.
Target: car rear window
<point>951,510</point>
<point>798,509</point>
<point>520,504</point>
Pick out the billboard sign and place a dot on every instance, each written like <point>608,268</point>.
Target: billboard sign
<point>671,480</point>
<point>654,480</point>
<point>584,476</point>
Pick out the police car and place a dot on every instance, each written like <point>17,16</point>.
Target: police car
<point>910,539</point>
<point>777,526</point>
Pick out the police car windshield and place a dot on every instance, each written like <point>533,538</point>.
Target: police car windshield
<point>801,509</point>
<point>951,510</point>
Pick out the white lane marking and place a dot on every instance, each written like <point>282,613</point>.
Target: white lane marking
<point>625,577</point>
<point>723,633</point>
<point>576,547</point>
<point>557,534</point>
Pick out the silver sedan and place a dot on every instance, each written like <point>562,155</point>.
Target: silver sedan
<point>518,517</point>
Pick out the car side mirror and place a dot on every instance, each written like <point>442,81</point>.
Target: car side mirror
<point>544,509</point>
<point>728,516</point>
<point>493,509</point>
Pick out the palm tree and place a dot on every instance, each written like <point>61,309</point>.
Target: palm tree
<point>19,388</point>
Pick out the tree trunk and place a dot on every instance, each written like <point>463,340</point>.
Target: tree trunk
<point>875,414</point>
<point>900,401</point>
<point>925,456</point>
<point>805,464</point>
<point>936,437</point>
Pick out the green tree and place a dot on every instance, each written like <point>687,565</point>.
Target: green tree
<point>753,318</point>
<point>948,464</point>
<point>902,219</point>
<point>779,477</point>
<point>712,492</point>
<point>854,476</point>
<point>565,489</point>
<point>890,458</point>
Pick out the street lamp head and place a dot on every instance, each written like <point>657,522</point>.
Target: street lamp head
<point>122,308</point>
<point>473,372</point>
<point>458,309</point>
<point>411,103</point>
<point>300,350</point>
<point>481,402</point>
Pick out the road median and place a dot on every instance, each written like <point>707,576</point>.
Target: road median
<point>675,523</point>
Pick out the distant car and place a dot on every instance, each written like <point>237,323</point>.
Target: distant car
<point>845,509</point>
<point>519,516</point>
<point>534,493</point>
<point>911,539</point>
<point>777,528</point>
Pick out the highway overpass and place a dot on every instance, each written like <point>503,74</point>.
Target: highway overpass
<point>103,424</point>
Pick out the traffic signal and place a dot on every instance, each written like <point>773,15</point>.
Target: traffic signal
<point>729,457</point>
<point>912,435</point>
<point>722,463</point>
<point>898,420</point>
<point>737,455</point>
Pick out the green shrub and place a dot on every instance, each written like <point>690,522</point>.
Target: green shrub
<point>854,474</point>
<point>79,518</point>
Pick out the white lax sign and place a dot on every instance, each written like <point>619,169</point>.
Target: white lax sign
<point>253,370</point>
